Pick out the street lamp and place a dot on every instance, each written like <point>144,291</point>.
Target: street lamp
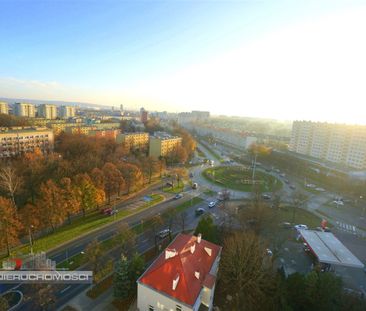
<point>30,238</point>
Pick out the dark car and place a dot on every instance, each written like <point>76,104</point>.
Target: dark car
<point>178,196</point>
<point>266,196</point>
<point>199,211</point>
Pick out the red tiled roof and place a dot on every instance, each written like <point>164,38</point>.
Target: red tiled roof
<point>162,272</point>
<point>209,281</point>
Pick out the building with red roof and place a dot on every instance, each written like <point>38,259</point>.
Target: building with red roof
<point>182,278</point>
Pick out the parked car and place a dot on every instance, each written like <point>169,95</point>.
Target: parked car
<point>109,211</point>
<point>212,204</point>
<point>286,225</point>
<point>320,189</point>
<point>286,181</point>
<point>163,233</point>
<point>292,187</point>
<point>338,202</point>
<point>269,252</point>
<point>178,196</point>
<point>190,175</point>
<point>300,226</point>
<point>194,185</point>
<point>199,211</point>
<point>266,196</point>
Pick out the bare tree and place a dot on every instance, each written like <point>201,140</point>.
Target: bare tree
<point>9,182</point>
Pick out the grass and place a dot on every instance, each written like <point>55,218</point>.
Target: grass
<point>189,203</point>
<point>286,214</point>
<point>176,189</point>
<point>81,226</point>
<point>209,192</point>
<point>234,177</point>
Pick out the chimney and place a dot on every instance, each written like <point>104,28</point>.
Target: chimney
<point>199,237</point>
<point>169,253</point>
<point>193,247</point>
<point>208,251</point>
<point>197,275</point>
<point>175,282</point>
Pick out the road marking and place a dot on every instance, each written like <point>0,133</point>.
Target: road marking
<point>65,289</point>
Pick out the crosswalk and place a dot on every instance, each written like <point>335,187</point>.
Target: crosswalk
<point>346,227</point>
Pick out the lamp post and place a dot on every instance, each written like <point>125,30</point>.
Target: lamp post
<point>30,238</point>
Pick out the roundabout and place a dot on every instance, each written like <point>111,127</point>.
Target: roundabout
<point>239,178</point>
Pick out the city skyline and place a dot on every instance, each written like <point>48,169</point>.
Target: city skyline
<point>282,61</point>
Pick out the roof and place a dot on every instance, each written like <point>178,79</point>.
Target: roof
<point>329,249</point>
<point>209,281</point>
<point>188,270</point>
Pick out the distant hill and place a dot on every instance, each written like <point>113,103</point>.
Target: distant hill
<point>54,102</point>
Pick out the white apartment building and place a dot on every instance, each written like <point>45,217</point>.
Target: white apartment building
<point>47,111</point>
<point>337,143</point>
<point>182,278</point>
<point>67,112</point>
<point>4,108</point>
<point>24,110</point>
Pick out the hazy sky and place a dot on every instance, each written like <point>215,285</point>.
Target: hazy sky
<point>278,59</point>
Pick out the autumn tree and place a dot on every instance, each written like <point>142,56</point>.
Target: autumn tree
<point>93,255</point>
<point>132,175</point>
<point>156,222</point>
<point>70,197</point>
<point>97,177</point>
<point>244,275</point>
<point>86,192</point>
<point>44,296</point>
<point>9,181</point>
<point>113,180</point>
<point>31,219</point>
<point>125,237</point>
<point>51,205</point>
<point>10,225</point>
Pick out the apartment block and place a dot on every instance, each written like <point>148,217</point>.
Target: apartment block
<point>182,278</point>
<point>4,108</point>
<point>111,133</point>
<point>337,143</point>
<point>24,110</point>
<point>138,140</point>
<point>16,141</point>
<point>47,111</point>
<point>67,112</point>
<point>161,144</point>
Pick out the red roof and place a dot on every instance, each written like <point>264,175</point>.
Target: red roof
<point>209,281</point>
<point>187,266</point>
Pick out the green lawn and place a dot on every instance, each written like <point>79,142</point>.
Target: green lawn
<point>81,226</point>
<point>175,189</point>
<point>188,203</point>
<point>238,178</point>
<point>301,216</point>
<point>209,192</point>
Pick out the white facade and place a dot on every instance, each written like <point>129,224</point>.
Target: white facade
<point>338,143</point>
<point>24,110</point>
<point>4,108</point>
<point>67,112</point>
<point>47,111</point>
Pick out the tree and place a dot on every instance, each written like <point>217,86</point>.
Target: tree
<point>4,304</point>
<point>9,182</point>
<point>125,237</point>
<point>182,218</point>
<point>44,296</point>
<point>122,282</point>
<point>243,274</point>
<point>132,175</point>
<point>113,180</point>
<point>51,205</point>
<point>98,178</point>
<point>156,222</point>
<point>86,193</point>
<point>30,216</point>
<point>208,229</point>
<point>93,255</point>
<point>70,197</point>
<point>135,269</point>
<point>171,215</point>
<point>10,225</point>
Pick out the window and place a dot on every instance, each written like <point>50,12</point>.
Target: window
<point>178,308</point>
<point>151,308</point>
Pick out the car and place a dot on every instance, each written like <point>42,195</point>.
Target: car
<point>269,252</point>
<point>169,184</point>
<point>292,187</point>
<point>109,211</point>
<point>194,185</point>
<point>301,226</point>
<point>178,196</point>
<point>338,202</point>
<point>266,196</point>
<point>286,181</point>
<point>211,204</point>
<point>199,211</point>
<point>164,233</point>
<point>320,189</point>
<point>286,225</point>
<point>310,186</point>
<point>191,175</point>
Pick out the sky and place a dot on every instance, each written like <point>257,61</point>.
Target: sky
<point>274,59</point>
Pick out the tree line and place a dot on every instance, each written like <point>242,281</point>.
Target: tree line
<point>41,192</point>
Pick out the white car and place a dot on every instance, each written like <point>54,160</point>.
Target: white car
<point>211,204</point>
<point>299,227</point>
<point>164,233</point>
<point>338,202</point>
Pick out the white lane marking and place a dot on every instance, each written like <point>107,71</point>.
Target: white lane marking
<point>65,289</point>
